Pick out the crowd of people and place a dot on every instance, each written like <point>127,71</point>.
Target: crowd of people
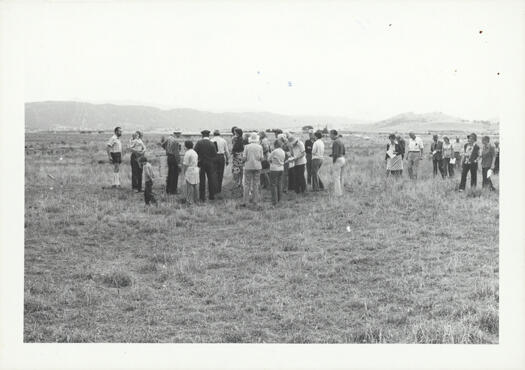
<point>446,157</point>
<point>287,163</point>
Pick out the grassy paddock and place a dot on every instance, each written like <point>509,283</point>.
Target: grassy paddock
<point>419,264</point>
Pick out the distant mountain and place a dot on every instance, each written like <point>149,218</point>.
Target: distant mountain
<point>69,115</point>
<point>434,121</point>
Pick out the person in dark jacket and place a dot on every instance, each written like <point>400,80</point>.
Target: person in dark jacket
<point>488,157</point>
<point>308,145</point>
<point>207,152</point>
<point>402,144</point>
<point>436,148</point>
<point>237,162</point>
<point>470,162</point>
<point>496,162</point>
<point>172,148</point>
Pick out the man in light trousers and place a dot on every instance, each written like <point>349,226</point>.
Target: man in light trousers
<point>414,155</point>
<point>253,155</point>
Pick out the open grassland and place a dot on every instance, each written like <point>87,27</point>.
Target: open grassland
<point>419,264</point>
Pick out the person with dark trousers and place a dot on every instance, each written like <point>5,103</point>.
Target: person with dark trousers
<point>207,153</point>
<point>308,145</point>
<point>298,157</point>
<point>448,155</point>
<point>149,196</point>
<point>470,162</point>
<point>172,148</point>
<point>402,144</point>
<point>488,157</point>
<point>496,162</point>
<point>138,149</point>
<point>436,148</point>
<point>223,157</point>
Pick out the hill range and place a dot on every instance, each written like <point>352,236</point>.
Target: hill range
<point>70,115</point>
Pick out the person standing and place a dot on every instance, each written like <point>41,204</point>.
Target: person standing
<point>289,164</point>
<point>172,148</point>
<point>276,159</point>
<point>284,146</point>
<point>414,155</point>
<point>114,150</point>
<point>138,149</point>
<point>265,143</point>
<point>223,157</point>
<point>496,162</point>
<point>393,157</point>
<point>253,155</point>
<point>207,163</point>
<point>191,172</point>
<point>237,161</point>
<point>470,162</point>
<point>436,148</point>
<point>402,145</point>
<point>298,157</point>
<point>308,146</point>
<point>317,161</point>
<point>448,155</point>
<point>457,152</point>
<point>339,161</point>
<point>147,169</point>
<point>488,157</point>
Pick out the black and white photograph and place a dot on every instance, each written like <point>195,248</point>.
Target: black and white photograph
<point>265,172</point>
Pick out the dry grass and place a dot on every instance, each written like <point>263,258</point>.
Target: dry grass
<point>420,264</point>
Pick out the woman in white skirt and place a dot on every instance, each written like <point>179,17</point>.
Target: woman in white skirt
<point>393,157</point>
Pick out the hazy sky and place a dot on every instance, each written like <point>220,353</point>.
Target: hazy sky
<point>363,60</point>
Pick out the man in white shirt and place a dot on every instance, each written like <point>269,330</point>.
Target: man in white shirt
<point>223,157</point>
<point>414,155</point>
<point>114,150</point>
<point>191,172</point>
<point>317,160</point>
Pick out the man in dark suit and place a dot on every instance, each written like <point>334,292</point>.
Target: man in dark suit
<point>207,151</point>
<point>436,148</point>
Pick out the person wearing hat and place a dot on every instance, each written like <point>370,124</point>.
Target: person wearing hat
<point>436,148</point>
<point>470,162</point>
<point>207,163</point>
<point>253,156</point>
<point>298,157</point>
<point>308,145</point>
<point>223,157</point>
